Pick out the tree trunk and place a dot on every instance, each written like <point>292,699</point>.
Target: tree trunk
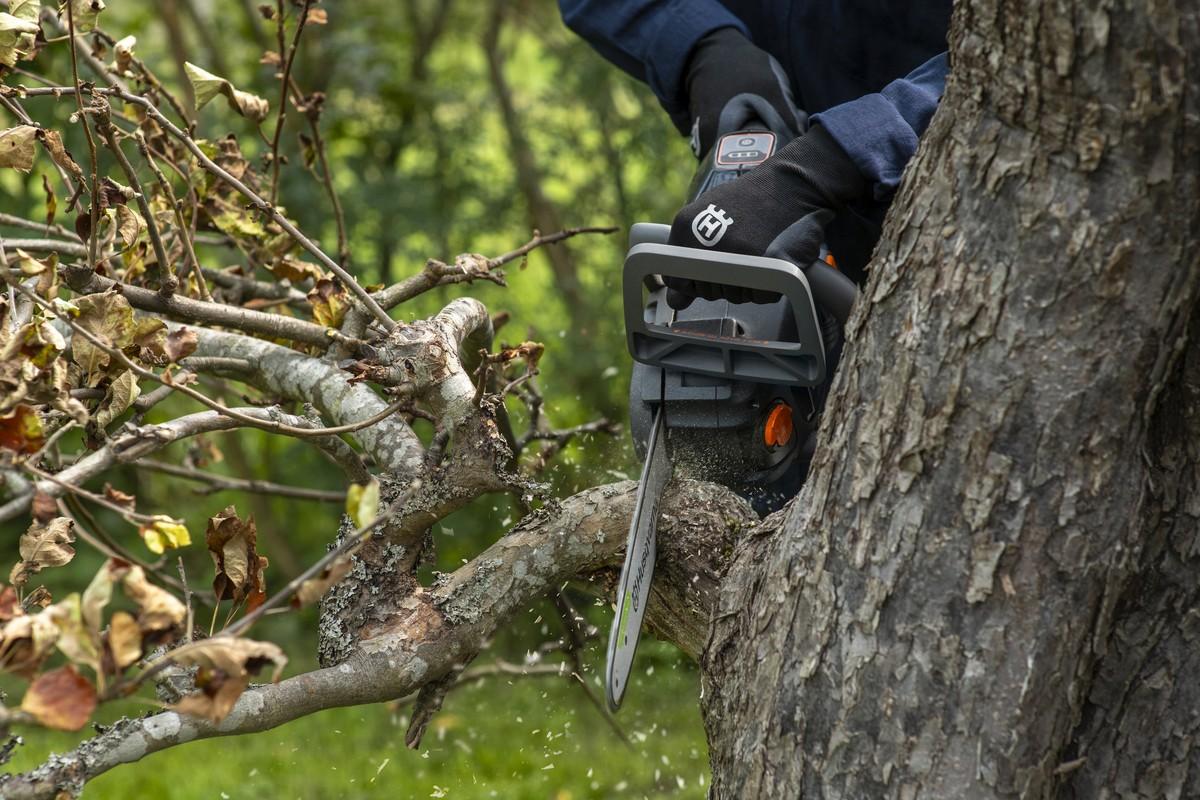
<point>988,587</point>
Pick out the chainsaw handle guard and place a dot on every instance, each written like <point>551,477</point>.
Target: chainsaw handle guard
<point>831,290</point>
<point>799,363</point>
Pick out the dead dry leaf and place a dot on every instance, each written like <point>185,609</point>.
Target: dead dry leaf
<point>44,545</point>
<point>225,665</point>
<point>232,543</point>
<point>62,699</point>
<point>314,588</point>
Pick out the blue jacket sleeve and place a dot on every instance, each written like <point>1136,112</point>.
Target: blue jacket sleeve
<point>650,39</point>
<point>879,131</point>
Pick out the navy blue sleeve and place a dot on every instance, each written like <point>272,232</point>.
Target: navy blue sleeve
<point>650,39</point>
<point>879,131</point>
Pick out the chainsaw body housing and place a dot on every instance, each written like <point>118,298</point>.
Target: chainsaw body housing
<point>717,369</point>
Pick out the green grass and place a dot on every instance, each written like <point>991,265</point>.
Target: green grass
<point>537,738</point>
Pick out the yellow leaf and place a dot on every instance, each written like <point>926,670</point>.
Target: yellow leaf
<point>124,640</point>
<point>362,502</point>
<point>164,532</point>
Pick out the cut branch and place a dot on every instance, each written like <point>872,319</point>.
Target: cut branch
<point>440,629</point>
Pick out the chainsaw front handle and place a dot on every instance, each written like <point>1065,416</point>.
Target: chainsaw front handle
<point>657,343</point>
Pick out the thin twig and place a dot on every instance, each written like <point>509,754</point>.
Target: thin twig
<point>94,206</point>
<point>222,483</point>
<point>41,227</point>
<point>151,79</point>
<point>538,240</point>
<point>128,513</point>
<point>289,57</point>
<point>187,601</point>
<point>114,550</point>
<point>104,125</point>
<point>259,203</point>
<point>189,252</point>
<point>318,143</point>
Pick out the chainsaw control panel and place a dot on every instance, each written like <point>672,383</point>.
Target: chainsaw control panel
<point>744,149</point>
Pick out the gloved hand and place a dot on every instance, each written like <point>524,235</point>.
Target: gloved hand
<point>778,209</point>
<point>723,65</point>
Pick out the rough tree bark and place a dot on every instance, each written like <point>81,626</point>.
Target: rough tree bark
<point>989,586</point>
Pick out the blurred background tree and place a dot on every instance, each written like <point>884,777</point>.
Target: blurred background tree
<point>449,127</point>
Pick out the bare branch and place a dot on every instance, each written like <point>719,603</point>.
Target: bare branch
<point>282,372</point>
<point>129,447</point>
<point>40,227</point>
<point>469,267</point>
<point>217,483</point>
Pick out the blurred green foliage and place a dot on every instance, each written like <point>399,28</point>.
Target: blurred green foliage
<point>424,164</point>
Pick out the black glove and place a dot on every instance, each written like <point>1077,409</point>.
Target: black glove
<point>778,209</point>
<point>723,65</point>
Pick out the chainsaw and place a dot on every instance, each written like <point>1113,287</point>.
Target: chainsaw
<point>724,392</point>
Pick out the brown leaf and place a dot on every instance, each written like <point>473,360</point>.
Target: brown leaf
<point>150,341</point>
<point>129,225</point>
<point>21,430</point>
<point>120,498</point>
<point>314,588</point>
<point>39,597</point>
<point>83,223</point>
<point>113,194</point>
<point>123,54</point>
<point>44,507</point>
<point>317,16</point>
<point>122,391</point>
<point>232,544</point>
<point>109,318</point>
<point>270,58</point>
<point>51,200</point>
<point>295,270</point>
<point>159,612</point>
<point>44,545</point>
<point>181,343</point>
<point>63,699</point>
<point>124,640</point>
<point>225,666</point>
<point>10,604</point>
<point>26,641</point>
<point>53,143</point>
<point>329,302</point>
<point>16,147</point>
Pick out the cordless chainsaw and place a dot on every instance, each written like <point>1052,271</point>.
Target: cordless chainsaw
<point>721,391</point>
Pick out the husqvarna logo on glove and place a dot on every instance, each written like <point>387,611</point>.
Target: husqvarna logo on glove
<point>710,224</point>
